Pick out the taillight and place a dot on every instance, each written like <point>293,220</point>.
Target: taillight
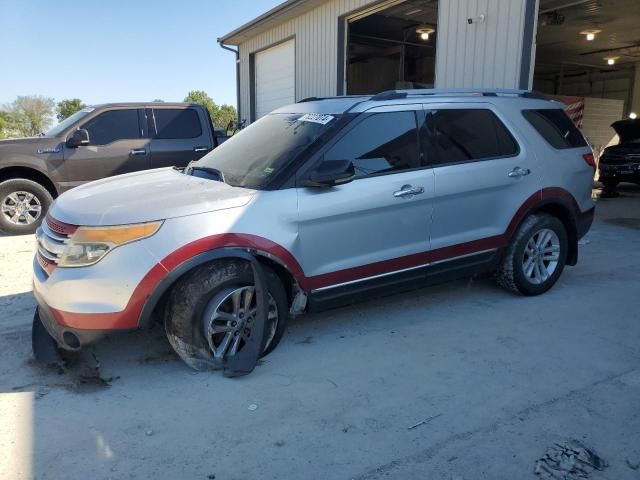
<point>590,159</point>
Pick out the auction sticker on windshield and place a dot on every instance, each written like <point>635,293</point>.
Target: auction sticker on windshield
<point>316,118</point>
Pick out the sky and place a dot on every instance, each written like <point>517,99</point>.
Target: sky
<point>116,50</point>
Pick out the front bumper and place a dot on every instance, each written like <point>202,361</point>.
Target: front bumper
<point>66,337</point>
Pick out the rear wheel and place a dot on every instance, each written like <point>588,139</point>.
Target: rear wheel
<point>23,205</point>
<point>210,313</point>
<point>536,256</point>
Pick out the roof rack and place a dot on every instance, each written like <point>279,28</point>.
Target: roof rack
<point>485,92</point>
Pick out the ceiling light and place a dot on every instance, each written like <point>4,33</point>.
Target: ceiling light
<point>611,60</point>
<point>413,12</point>
<point>633,116</point>
<point>424,32</point>
<point>590,34</point>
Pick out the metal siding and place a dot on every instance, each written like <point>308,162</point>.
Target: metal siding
<point>482,54</point>
<point>316,34</point>
<point>486,55</point>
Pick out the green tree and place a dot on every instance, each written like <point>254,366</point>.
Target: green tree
<point>31,114</point>
<point>221,115</point>
<point>7,125</point>
<point>68,107</point>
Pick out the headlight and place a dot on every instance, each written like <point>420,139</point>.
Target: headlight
<point>89,245</point>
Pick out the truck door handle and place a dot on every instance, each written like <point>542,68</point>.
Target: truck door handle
<point>408,191</point>
<point>200,149</point>
<point>138,151</point>
<point>518,172</point>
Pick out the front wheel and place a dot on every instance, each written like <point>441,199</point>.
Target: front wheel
<point>23,205</point>
<point>210,312</point>
<point>536,256</point>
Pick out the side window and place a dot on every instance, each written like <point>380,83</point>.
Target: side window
<point>555,127</point>
<point>464,135</point>
<point>177,123</point>
<point>381,143</point>
<point>113,125</point>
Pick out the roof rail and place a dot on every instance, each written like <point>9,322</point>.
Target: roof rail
<point>485,92</point>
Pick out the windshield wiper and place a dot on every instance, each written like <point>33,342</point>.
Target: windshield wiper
<point>208,170</point>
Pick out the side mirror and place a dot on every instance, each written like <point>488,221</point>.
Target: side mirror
<point>78,138</point>
<point>330,173</point>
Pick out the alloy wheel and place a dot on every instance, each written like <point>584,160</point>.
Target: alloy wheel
<point>21,208</point>
<point>229,317</point>
<point>541,256</point>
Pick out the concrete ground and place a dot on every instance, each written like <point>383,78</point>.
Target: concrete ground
<point>497,378</point>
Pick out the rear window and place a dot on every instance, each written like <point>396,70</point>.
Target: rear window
<point>555,127</point>
<point>464,135</point>
<point>177,123</point>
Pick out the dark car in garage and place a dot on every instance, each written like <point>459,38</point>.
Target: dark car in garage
<point>621,163</point>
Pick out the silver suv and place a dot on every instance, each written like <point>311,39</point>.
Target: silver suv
<point>315,205</point>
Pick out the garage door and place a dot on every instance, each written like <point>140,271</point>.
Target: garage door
<point>275,77</point>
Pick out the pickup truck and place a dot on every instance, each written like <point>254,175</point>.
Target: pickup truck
<point>95,143</point>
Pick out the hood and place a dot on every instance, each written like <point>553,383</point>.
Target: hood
<point>144,197</point>
<point>628,130</point>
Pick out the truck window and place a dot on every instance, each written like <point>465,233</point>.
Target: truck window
<point>113,125</point>
<point>177,123</point>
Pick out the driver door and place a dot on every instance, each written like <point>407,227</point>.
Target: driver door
<point>117,145</point>
<point>373,226</point>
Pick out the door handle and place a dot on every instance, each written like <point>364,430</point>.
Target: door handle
<point>138,151</point>
<point>408,191</point>
<point>200,149</point>
<point>518,172</point>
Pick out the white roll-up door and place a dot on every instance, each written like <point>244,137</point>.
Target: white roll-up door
<point>275,77</point>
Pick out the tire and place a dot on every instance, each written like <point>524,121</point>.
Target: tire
<point>19,189</point>
<point>192,301</point>
<point>512,275</point>
<point>609,183</point>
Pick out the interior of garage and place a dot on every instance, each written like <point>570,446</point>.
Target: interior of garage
<point>393,47</point>
<point>588,55</point>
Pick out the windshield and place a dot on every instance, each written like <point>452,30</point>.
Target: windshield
<point>67,122</point>
<point>255,155</point>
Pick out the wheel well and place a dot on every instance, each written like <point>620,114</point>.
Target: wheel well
<point>29,174</point>
<point>283,274</point>
<point>563,214</point>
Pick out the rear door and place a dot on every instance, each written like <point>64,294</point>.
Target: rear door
<point>483,175</point>
<point>118,144</point>
<point>373,225</point>
<point>179,135</point>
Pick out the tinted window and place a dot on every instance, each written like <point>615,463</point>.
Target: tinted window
<point>113,125</point>
<point>258,153</point>
<point>464,135</point>
<point>383,142</point>
<point>555,127</point>
<point>177,123</point>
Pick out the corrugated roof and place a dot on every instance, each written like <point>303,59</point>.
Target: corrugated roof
<point>281,13</point>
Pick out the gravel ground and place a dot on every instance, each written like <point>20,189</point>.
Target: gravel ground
<point>490,379</point>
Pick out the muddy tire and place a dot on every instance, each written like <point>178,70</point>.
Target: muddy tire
<point>203,301</point>
<point>23,206</point>
<point>534,260</point>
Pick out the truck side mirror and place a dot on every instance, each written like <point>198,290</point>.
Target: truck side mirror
<point>77,138</point>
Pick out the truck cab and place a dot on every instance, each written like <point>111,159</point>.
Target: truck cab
<point>94,143</point>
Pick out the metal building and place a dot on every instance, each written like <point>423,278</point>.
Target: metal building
<point>315,48</point>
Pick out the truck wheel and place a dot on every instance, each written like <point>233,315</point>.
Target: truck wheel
<point>23,205</point>
<point>609,183</point>
<point>536,256</point>
<point>209,313</point>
